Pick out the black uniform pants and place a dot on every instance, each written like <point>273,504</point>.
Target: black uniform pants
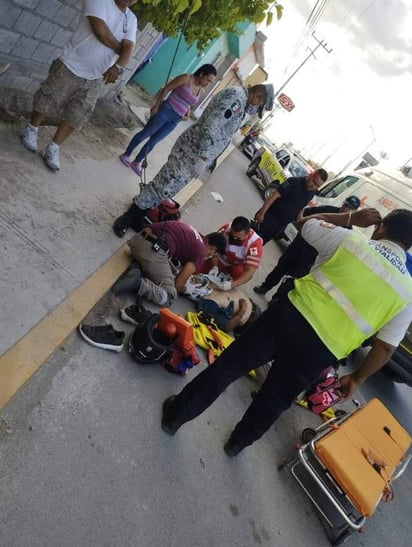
<point>296,261</point>
<point>269,228</point>
<point>280,333</point>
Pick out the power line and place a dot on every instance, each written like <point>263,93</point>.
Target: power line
<point>317,16</point>
<point>361,15</point>
<point>310,26</point>
<point>320,43</point>
<point>349,11</point>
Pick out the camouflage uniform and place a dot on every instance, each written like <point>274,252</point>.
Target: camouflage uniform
<point>207,138</point>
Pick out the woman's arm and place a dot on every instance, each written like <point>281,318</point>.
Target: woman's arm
<point>177,82</point>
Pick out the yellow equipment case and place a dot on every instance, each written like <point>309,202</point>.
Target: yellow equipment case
<point>349,467</point>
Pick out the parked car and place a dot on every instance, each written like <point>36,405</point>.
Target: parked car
<point>269,169</point>
<point>250,149</point>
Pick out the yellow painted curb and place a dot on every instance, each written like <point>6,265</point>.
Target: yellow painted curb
<point>23,359</point>
<point>27,355</point>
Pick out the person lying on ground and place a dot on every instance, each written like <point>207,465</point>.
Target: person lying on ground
<point>229,309</point>
<point>359,288</point>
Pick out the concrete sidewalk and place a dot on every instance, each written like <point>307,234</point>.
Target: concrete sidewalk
<point>59,255</point>
<point>56,228</point>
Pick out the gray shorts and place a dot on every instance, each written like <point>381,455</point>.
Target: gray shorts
<point>64,92</point>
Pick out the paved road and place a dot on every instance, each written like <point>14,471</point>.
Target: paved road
<point>84,462</point>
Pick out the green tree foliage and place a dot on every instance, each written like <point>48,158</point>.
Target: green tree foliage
<point>204,20</point>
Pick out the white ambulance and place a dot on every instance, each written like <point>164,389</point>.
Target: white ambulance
<point>373,187</point>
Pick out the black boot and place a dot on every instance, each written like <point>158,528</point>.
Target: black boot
<point>120,225</point>
<point>233,446</point>
<point>261,289</point>
<point>169,422</point>
<point>132,218</point>
<point>137,219</point>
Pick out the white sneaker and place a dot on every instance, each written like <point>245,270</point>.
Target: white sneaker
<point>29,138</point>
<point>51,156</point>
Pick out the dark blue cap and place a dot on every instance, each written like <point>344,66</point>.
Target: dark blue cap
<point>353,202</point>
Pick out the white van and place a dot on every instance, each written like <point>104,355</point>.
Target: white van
<point>270,167</point>
<point>374,188</point>
<point>293,164</point>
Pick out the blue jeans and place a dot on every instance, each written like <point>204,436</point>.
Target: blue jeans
<point>158,126</point>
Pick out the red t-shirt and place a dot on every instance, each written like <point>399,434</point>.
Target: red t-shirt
<point>183,241</point>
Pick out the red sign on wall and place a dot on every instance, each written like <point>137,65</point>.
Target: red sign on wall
<point>286,102</point>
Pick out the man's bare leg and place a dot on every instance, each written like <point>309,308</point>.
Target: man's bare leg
<point>36,118</point>
<point>63,132</point>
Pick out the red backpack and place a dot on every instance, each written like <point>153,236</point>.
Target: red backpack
<point>168,209</point>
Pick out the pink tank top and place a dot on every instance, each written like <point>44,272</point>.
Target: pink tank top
<point>181,99</point>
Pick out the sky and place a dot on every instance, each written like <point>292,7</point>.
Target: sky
<point>354,99</point>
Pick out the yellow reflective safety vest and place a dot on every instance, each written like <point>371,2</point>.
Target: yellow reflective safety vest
<point>351,296</point>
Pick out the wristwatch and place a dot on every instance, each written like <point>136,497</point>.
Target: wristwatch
<point>119,68</point>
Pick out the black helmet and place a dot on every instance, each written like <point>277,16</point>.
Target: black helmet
<point>148,345</point>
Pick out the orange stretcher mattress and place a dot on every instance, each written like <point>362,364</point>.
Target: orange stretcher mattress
<point>362,453</point>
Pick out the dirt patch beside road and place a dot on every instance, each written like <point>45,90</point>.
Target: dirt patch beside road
<point>16,104</point>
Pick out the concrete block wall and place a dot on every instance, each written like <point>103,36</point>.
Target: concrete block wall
<point>146,37</point>
<point>34,32</point>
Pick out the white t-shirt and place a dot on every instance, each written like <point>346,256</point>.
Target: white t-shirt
<point>326,238</point>
<point>85,55</point>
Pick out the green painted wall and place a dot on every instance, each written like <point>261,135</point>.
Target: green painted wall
<point>188,58</point>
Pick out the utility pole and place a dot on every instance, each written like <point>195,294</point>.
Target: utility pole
<point>345,140</point>
<point>320,43</point>
<point>360,153</point>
